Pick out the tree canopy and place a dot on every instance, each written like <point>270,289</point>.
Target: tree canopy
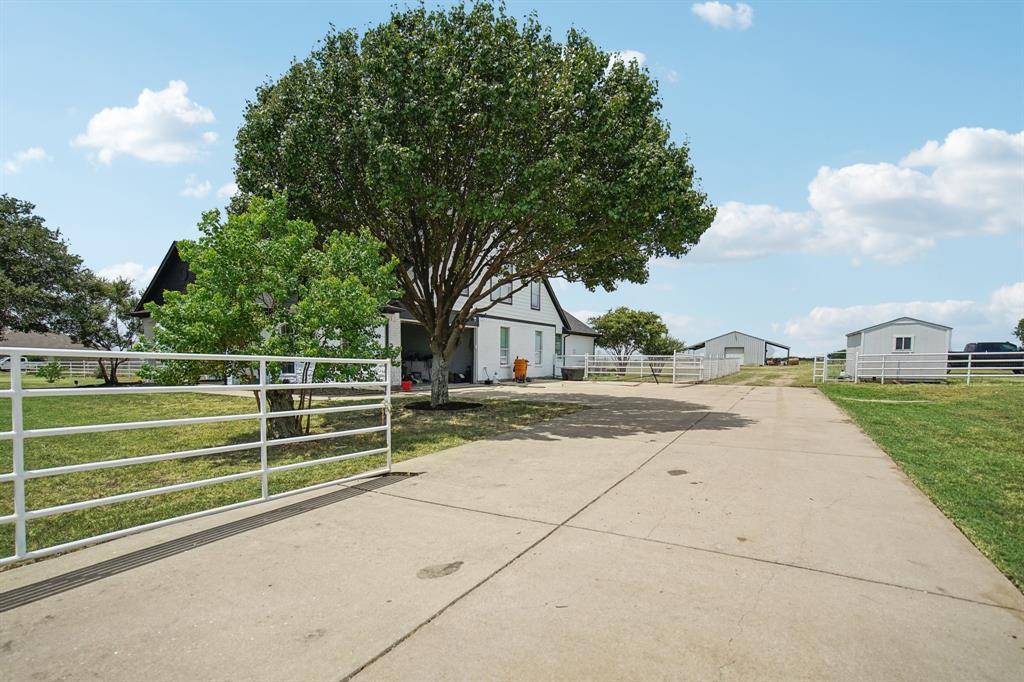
<point>482,152</point>
<point>624,331</point>
<point>1019,331</point>
<point>100,317</point>
<point>265,285</point>
<point>38,275</point>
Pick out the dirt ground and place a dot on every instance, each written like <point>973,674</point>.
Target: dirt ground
<point>789,375</point>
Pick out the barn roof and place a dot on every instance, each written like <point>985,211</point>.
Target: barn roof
<point>700,345</point>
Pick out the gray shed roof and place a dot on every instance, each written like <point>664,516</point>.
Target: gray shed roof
<point>576,326</point>
<point>697,346</point>
<point>37,340</point>
<point>899,319</point>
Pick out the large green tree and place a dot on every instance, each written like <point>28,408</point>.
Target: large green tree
<point>99,316</point>
<point>1018,331</point>
<point>38,275</point>
<point>623,331</point>
<point>482,152</point>
<point>265,285</point>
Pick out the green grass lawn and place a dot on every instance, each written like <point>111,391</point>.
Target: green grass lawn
<point>414,433</point>
<point>964,448</point>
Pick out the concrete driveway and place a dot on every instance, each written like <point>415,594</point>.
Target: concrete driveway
<point>676,532</point>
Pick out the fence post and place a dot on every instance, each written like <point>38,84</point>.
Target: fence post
<point>675,359</point>
<point>18,458</point>
<point>387,410</point>
<point>264,477</point>
<point>969,357</point>
<point>883,368</point>
<point>586,366</point>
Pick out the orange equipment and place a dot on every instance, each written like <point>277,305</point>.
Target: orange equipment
<point>519,369</point>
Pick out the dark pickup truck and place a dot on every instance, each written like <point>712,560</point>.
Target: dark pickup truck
<point>990,355</point>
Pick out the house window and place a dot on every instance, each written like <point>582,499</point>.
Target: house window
<point>904,344</point>
<point>559,344</point>
<point>503,347</point>
<point>503,293</point>
<point>538,348</point>
<point>535,295</point>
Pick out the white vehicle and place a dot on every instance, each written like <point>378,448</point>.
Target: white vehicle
<point>5,363</point>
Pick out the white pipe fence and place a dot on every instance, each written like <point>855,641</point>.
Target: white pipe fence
<point>17,393</point>
<point>891,367</point>
<point>677,368</point>
<point>936,366</point>
<point>827,369</point>
<point>78,368</point>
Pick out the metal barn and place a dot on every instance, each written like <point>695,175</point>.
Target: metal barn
<point>753,350</point>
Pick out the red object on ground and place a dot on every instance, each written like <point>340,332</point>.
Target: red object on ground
<point>406,386</point>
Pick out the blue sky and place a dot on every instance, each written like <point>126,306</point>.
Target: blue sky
<point>867,159</point>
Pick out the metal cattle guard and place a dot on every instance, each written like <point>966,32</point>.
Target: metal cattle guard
<point>381,369</point>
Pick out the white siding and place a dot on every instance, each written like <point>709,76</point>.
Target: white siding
<point>523,321</point>
<point>881,340</point>
<point>853,348</point>
<point>579,345</point>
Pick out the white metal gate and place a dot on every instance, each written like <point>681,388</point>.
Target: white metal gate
<point>378,371</point>
<point>674,369</point>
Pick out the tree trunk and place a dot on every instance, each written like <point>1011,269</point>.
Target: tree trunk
<point>282,427</point>
<point>439,380</point>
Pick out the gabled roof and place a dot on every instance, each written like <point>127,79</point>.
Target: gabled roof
<point>573,325</point>
<point>736,331</point>
<point>900,319</point>
<point>171,275</point>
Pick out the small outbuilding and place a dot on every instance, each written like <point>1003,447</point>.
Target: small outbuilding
<point>753,350</point>
<point>899,337</point>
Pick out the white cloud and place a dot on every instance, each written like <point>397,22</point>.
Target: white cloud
<point>1007,303</point>
<point>195,189</point>
<point>744,231</point>
<point>825,328</point>
<point>26,156</point>
<point>140,275</point>
<point>627,56</point>
<point>722,15</point>
<point>971,183</point>
<point>163,126</point>
<point>227,191</point>
<point>679,326</point>
<point>584,315</point>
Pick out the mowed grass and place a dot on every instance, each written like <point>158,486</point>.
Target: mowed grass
<point>964,448</point>
<point>414,433</point>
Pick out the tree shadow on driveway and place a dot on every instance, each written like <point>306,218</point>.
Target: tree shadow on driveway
<point>624,416</point>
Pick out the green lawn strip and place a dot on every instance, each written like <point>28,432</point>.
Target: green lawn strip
<point>414,433</point>
<point>964,448</point>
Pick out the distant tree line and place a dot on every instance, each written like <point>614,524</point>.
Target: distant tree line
<point>45,288</point>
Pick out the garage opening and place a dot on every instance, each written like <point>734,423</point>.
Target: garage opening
<point>417,357</point>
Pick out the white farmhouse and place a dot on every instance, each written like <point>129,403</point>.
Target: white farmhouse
<point>529,323</point>
<point>905,343</point>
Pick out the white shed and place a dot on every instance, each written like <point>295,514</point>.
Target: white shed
<point>752,349</point>
<point>904,336</point>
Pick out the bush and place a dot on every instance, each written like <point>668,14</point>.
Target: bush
<point>51,371</point>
